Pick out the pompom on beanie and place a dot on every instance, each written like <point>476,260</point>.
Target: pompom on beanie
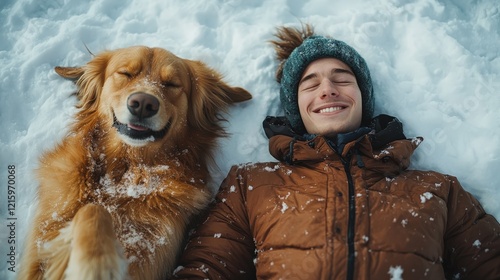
<point>311,49</point>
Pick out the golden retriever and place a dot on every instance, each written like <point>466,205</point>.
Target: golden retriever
<point>117,194</point>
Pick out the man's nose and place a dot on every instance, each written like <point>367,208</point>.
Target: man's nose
<point>328,88</point>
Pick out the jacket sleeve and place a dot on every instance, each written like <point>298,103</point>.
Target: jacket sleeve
<point>222,246</point>
<point>472,238</point>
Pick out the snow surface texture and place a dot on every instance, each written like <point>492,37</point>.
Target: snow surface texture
<point>435,65</point>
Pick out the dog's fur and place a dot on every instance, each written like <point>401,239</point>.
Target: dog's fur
<point>117,194</point>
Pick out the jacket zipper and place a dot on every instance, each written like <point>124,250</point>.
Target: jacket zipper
<point>351,222</point>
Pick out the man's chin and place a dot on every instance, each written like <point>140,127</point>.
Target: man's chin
<point>333,124</point>
<point>333,131</point>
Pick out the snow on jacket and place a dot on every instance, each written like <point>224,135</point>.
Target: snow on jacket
<point>358,213</point>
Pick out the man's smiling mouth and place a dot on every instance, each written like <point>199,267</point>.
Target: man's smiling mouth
<point>330,109</point>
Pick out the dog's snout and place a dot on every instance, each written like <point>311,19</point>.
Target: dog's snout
<point>143,105</point>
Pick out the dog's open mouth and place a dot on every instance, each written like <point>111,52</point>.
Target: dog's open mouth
<point>139,132</point>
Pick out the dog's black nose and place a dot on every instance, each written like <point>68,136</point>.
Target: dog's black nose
<point>143,105</point>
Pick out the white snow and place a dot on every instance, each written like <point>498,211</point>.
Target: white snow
<point>396,273</point>
<point>425,196</point>
<point>435,65</point>
<point>284,207</point>
<point>269,169</point>
<point>404,222</point>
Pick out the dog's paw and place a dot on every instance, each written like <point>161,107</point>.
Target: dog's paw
<point>103,267</point>
<point>95,251</point>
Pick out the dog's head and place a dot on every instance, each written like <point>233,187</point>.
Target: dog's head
<point>149,96</point>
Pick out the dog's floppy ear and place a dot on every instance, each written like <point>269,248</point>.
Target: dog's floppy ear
<point>210,96</point>
<point>89,80</point>
<point>70,73</point>
<point>234,94</point>
<point>237,94</point>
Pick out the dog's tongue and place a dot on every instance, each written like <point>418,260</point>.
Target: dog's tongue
<point>137,127</point>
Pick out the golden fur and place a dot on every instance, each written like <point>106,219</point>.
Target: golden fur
<point>117,194</point>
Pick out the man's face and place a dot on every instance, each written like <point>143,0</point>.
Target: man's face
<point>329,98</point>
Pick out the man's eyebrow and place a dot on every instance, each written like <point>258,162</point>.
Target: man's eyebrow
<point>342,70</point>
<point>308,77</point>
<point>333,71</point>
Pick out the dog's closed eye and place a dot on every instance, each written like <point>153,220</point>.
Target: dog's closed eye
<point>125,73</point>
<point>170,84</point>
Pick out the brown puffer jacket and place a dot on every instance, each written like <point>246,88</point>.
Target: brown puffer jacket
<point>360,215</point>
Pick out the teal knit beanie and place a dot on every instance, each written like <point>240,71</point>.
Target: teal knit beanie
<point>311,49</point>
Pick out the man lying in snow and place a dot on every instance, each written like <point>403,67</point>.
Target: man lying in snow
<point>340,203</point>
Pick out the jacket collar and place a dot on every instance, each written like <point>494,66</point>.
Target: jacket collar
<point>384,139</point>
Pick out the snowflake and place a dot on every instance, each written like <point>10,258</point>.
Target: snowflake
<point>284,207</point>
<point>396,273</point>
<point>425,196</point>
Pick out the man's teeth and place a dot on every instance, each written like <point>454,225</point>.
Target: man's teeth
<point>330,109</point>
